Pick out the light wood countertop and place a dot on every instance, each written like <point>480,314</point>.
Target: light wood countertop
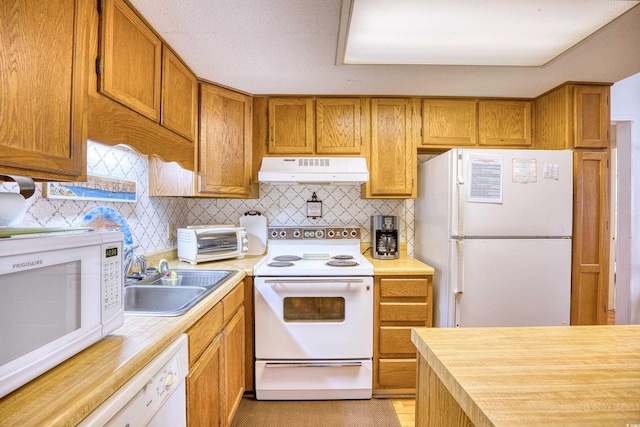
<point>403,266</point>
<point>67,393</point>
<point>534,376</point>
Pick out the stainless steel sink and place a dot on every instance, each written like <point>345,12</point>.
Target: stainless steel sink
<point>149,297</point>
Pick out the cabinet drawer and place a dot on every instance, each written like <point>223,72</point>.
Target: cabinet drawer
<point>203,331</point>
<point>232,301</point>
<point>397,373</point>
<point>403,287</point>
<point>403,312</point>
<point>396,340</point>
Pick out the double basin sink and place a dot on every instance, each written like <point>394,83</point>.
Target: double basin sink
<point>150,296</point>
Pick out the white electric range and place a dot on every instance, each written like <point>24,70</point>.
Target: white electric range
<point>313,315</point>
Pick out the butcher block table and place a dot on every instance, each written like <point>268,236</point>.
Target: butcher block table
<point>528,376</point>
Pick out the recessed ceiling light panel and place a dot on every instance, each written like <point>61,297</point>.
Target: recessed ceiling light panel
<point>472,32</point>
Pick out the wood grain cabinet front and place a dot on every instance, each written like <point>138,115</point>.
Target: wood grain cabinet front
<point>43,85</point>
<point>216,379</point>
<point>503,123</point>
<point>449,123</point>
<point>314,126</point>
<point>224,153</point>
<point>577,116</point>
<point>401,303</point>
<point>131,59</point>
<point>392,151</point>
<point>179,108</point>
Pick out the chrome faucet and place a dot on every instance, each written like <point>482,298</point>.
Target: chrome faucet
<point>137,260</point>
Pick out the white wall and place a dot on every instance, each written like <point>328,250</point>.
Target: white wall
<point>625,106</point>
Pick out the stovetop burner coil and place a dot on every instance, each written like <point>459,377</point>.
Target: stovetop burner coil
<point>280,264</point>
<point>342,263</point>
<point>287,258</point>
<point>342,257</point>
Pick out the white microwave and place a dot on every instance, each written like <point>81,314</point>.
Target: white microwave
<point>60,293</point>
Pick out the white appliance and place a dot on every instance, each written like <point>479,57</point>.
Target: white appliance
<point>313,316</point>
<point>61,293</point>
<point>154,397</point>
<point>204,243</point>
<point>496,226</point>
<point>314,170</point>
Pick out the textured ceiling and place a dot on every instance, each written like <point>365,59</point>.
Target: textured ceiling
<point>289,47</point>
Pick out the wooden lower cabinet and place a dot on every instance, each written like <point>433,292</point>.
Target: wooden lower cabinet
<point>233,365</point>
<point>401,303</point>
<point>203,391</point>
<point>216,379</point>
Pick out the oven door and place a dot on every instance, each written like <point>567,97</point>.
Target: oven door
<point>314,318</point>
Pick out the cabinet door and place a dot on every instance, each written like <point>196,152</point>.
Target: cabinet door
<point>224,152</point>
<point>339,127</point>
<point>504,123</point>
<point>591,116</point>
<point>590,265</point>
<point>43,86</point>
<point>203,387</point>
<point>233,365</point>
<point>131,55</point>
<point>179,96</point>
<point>291,126</point>
<point>392,154</point>
<point>449,123</point>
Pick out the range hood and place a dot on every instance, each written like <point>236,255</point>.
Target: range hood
<point>313,170</point>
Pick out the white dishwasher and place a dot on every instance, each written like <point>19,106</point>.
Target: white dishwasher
<point>154,397</point>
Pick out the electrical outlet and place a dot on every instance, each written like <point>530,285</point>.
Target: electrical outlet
<point>171,232</point>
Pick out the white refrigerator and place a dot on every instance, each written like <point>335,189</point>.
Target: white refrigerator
<point>496,226</point>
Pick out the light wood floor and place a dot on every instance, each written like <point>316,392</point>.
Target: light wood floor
<point>406,410</point>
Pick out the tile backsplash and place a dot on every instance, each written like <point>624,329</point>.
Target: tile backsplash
<point>149,216</point>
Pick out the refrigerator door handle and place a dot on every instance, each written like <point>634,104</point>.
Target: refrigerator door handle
<point>459,282</point>
<point>460,170</point>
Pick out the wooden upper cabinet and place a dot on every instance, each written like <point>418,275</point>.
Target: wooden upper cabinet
<point>131,59</point>
<point>591,116</point>
<point>43,87</point>
<point>504,123</point>
<point>339,126</point>
<point>291,126</point>
<point>224,154</point>
<point>449,123</point>
<point>179,96</point>
<point>392,152</point>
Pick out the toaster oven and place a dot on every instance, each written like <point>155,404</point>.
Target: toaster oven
<point>205,243</point>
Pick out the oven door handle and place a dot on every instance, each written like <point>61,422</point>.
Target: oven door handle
<point>326,281</point>
<point>313,365</point>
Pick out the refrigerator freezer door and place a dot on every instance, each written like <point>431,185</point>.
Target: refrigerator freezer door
<point>512,282</point>
<point>536,193</point>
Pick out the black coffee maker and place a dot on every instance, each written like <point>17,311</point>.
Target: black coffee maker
<point>384,236</point>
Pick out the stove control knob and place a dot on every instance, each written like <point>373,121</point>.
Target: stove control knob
<point>353,233</point>
<point>283,233</point>
<point>319,234</point>
<point>331,233</point>
<point>296,233</point>
<point>274,233</point>
<point>344,233</point>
